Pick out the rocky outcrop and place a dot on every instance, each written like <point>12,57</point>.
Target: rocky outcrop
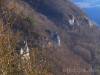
<point>79,38</point>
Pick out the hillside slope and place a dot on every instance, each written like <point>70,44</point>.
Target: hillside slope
<point>38,20</point>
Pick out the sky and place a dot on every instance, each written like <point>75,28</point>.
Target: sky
<point>87,3</point>
<point>91,8</point>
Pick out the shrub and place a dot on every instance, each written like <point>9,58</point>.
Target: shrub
<point>31,20</point>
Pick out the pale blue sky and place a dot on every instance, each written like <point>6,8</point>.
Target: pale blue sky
<point>87,3</point>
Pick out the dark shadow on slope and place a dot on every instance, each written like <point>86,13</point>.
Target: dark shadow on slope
<point>47,10</point>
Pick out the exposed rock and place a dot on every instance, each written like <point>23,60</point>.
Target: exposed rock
<point>78,37</point>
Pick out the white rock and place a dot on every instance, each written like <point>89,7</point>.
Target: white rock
<point>21,51</point>
<point>26,48</point>
<point>58,40</point>
<point>89,21</point>
<point>72,20</point>
<point>25,52</point>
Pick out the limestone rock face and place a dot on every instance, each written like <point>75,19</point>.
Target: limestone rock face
<point>79,39</point>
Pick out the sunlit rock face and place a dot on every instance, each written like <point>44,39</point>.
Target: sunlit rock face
<point>72,20</point>
<point>25,52</point>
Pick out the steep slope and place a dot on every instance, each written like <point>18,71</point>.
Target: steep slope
<point>77,53</point>
<point>58,11</point>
